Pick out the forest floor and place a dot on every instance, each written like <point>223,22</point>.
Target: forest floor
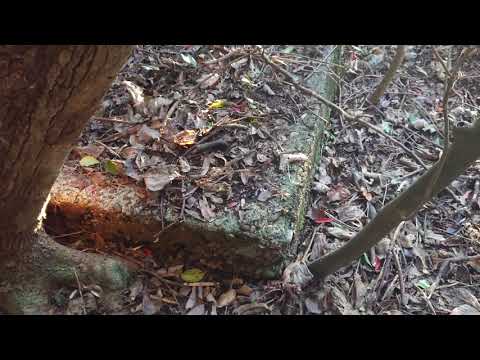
<point>177,94</point>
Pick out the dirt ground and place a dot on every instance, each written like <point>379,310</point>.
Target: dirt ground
<point>172,103</point>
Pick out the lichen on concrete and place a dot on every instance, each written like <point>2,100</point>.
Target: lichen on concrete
<point>259,236</point>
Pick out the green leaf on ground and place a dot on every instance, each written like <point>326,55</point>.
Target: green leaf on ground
<point>89,161</point>
<point>423,284</point>
<point>192,275</point>
<point>111,167</point>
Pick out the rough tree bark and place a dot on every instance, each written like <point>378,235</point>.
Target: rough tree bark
<point>47,94</point>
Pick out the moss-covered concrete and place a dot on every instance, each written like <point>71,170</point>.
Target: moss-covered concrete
<point>257,243</point>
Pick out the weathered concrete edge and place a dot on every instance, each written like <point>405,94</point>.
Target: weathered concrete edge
<point>329,92</point>
<point>261,256</point>
<point>242,240</point>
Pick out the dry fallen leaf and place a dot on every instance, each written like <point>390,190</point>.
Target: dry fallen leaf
<point>185,137</point>
<point>338,193</point>
<point>149,307</point>
<point>136,93</point>
<point>348,213</point>
<point>251,309</point>
<point>264,195</point>
<point>245,290</point>
<point>89,161</point>
<point>313,305</point>
<point>197,310</point>
<point>465,309</point>
<point>205,209</point>
<point>136,289</point>
<point>157,179</point>
<point>340,233</point>
<point>208,80</point>
<point>147,134</point>
<point>92,150</point>
<point>192,299</point>
<point>184,165</point>
<point>227,298</point>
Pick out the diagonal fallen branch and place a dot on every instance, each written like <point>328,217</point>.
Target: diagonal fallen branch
<point>346,114</point>
<point>463,151</point>
<point>456,158</point>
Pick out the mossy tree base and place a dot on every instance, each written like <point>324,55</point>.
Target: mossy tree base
<point>29,279</point>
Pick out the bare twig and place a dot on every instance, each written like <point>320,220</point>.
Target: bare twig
<point>439,58</point>
<point>441,272</point>
<point>444,267</point>
<point>423,138</point>
<point>332,105</point>
<point>116,120</point>
<point>400,277</point>
<point>305,256</point>
<point>109,149</point>
<point>171,110</point>
<point>80,291</point>
<point>162,279</point>
<point>305,89</point>
<point>236,52</point>
<point>462,258</point>
<point>398,143</point>
<point>157,235</point>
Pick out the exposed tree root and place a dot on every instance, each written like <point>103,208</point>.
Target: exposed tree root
<point>30,279</point>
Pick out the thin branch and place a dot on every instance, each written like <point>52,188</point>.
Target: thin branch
<point>442,62</point>
<point>305,89</point>
<point>334,106</point>
<point>80,291</point>
<point>400,277</point>
<point>398,143</point>
<point>389,75</point>
<point>236,52</point>
<point>116,120</point>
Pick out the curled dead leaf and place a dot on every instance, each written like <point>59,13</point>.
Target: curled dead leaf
<point>185,137</point>
<point>147,134</point>
<point>348,213</point>
<point>157,179</point>
<point>184,165</point>
<point>136,93</point>
<point>227,298</point>
<point>251,309</point>
<point>245,290</point>
<point>338,193</point>
<point>205,209</point>
<point>465,309</point>
<point>340,233</point>
<point>264,195</point>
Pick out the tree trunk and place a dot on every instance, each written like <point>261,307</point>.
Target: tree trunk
<point>47,95</point>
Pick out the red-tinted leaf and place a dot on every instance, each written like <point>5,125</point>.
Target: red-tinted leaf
<point>318,215</point>
<point>147,252</point>
<point>323,220</point>
<point>378,264</point>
